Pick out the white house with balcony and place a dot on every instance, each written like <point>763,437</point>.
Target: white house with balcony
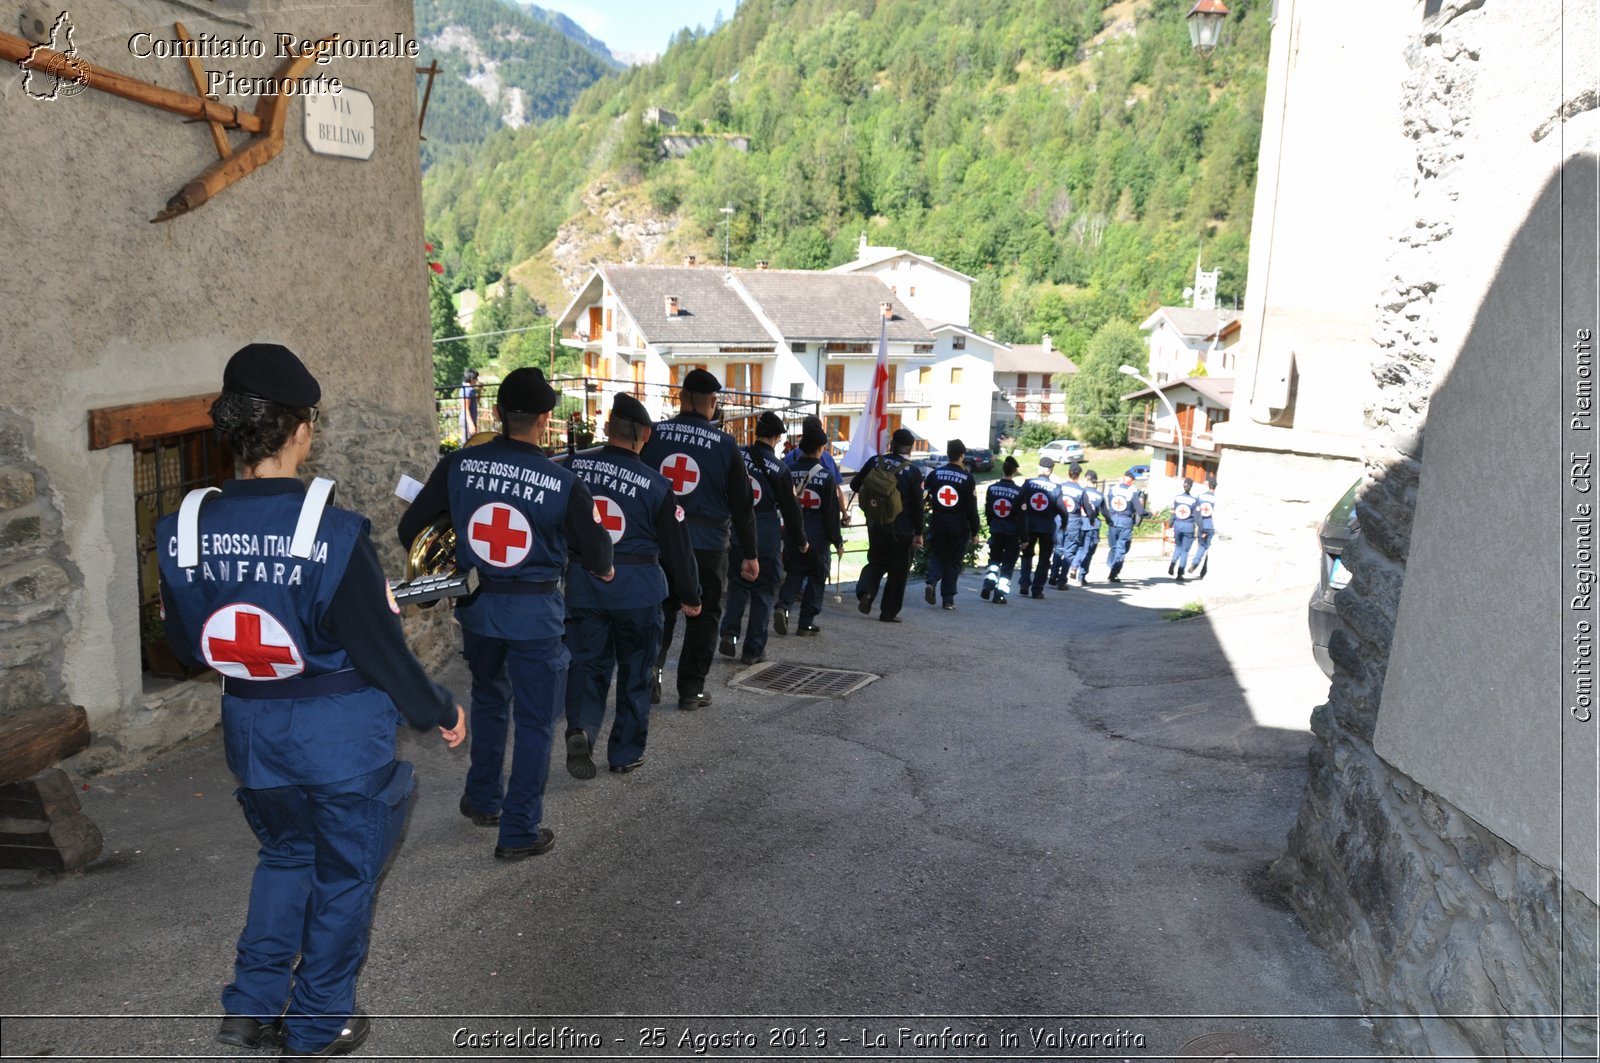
<point>1200,404</point>
<point>933,292</point>
<point>1030,385</point>
<point>776,339</point>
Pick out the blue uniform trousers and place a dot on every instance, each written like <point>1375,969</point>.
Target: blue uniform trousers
<point>603,641</point>
<point>1035,574</point>
<point>1066,548</point>
<point>888,564</point>
<point>523,681</point>
<point>1182,543</point>
<point>1086,548</point>
<point>946,550</point>
<point>759,593</point>
<point>323,848</point>
<point>805,581</point>
<point>699,632</point>
<point>1002,562</point>
<point>1118,540</point>
<point>1203,538</point>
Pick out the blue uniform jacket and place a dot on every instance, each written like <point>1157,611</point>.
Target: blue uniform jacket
<point>1002,506</point>
<point>279,628</point>
<point>1041,501</point>
<point>650,540</point>
<point>706,470</point>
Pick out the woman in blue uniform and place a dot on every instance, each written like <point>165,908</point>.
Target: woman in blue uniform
<point>283,595</point>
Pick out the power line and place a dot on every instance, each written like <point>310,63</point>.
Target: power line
<point>481,335</point>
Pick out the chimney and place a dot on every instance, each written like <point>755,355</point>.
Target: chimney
<point>888,311</point>
<point>762,264</point>
<point>1047,342</point>
<point>672,306</point>
<point>689,260</point>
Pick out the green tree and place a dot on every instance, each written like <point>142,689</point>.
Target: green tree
<point>1098,414</point>
<point>450,358</point>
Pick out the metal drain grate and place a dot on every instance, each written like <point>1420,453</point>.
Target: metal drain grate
<point>805,679</point>
<point>1223,1045</point>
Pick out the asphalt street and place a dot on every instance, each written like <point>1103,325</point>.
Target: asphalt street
<point>1049,815</point>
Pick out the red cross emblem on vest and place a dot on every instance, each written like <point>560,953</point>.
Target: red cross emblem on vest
<point>947,496</point>
<point>1181,511</point>
<point>1039,502</point>
<point>810,499</point>
<point>755,491</point>
<point>1205,509</point>
<point>611,518</point>
<point>247,642</point>
<point>683,472</point>
<point>500,535</point>
<point>1002,508</point>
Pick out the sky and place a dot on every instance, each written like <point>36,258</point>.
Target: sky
<point>639,25</point>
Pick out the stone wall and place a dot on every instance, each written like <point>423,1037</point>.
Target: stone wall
<point>1433,911</point>
<point>37,582</point>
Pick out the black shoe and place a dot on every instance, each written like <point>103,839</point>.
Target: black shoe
<point>950,605</point>
<point>245,1032</point>
<point>863,605</point>
<point>728,646</point>
<point>1038,594</point>
<point>1113,579</point>
<point>579,766</point>
<point>547,841</point>
<point>690,702</point>
<point>623,769</point>
<point>759,658</point>
<point>927,594</point>
<point>350,1038</point>
<point>1179,578</point>
<point>780,620</point>
<point>889,619</point>
<point>482,819</point>
<point>655,688</point>
<point>999,599</point>
<point>1172,568</point>
<point>988,589</point>
<point>808,629</point>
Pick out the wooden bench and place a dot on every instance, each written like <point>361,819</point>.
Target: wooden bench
<point>41,823</point>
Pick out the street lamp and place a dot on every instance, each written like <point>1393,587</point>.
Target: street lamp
<point>1177,429</point>
<point>1205,24</point>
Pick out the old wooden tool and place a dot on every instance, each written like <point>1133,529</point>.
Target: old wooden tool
<point>265,125</point>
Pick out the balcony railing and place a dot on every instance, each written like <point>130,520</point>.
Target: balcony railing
<point>1145,431</point>
<point>897,397</point>
<point>581,393</point>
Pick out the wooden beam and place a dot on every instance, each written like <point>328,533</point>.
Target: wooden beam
<point>112,426</point>
<point>18,50</point>
<point>51,832</point>
<point>197,74</point>
<point>34,739</point>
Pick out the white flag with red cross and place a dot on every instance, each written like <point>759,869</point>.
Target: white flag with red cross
<point>868,441</point>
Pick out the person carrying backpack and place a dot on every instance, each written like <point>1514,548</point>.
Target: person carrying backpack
<point>888,489</point>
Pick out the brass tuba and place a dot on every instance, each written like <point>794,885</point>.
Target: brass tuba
<point>433,551</point>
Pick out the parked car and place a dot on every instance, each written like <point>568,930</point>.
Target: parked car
<point>1338,530</point>
<point>981,460</point>
<point>1062,450</point>
<point>1140,472</point>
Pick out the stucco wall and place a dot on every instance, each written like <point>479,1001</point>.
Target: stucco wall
<point>104,308</point>
<point>1433,854</point>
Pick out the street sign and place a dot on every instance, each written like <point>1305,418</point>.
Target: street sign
<point>341,124</point>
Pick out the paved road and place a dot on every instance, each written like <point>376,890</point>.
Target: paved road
<point>1056,808</point>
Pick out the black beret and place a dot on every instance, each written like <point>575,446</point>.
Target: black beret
<point>1047,463</point>
<point>812,421</point>
<point>903,437</point>
<point>1074,469</point>
<point>769,424</point>
<point>955,448</point>
<point>1092,476</point>
<point>812,437</point>
<point>628,408</point>
<point>701,381</point>
<point>271,371</point>
<point>525,391</point>
<point>1010,464</point>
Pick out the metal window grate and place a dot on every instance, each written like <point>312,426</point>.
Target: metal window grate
<point>803,679</point>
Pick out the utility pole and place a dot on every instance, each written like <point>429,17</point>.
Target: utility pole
<point>727,230</point>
